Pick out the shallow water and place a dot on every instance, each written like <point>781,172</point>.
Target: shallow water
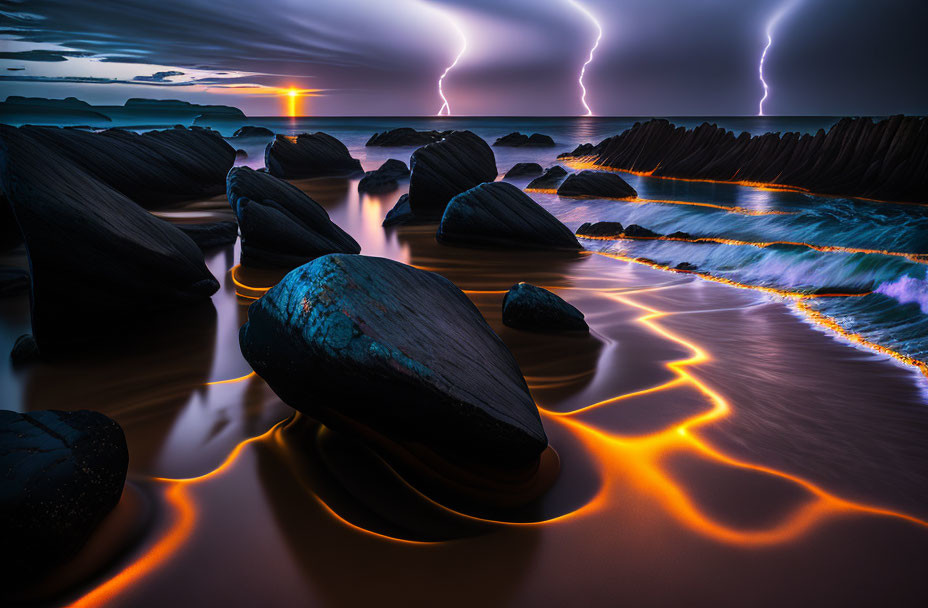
<point>716,445</point>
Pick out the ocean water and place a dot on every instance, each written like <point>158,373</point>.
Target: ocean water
<point>857,245</point>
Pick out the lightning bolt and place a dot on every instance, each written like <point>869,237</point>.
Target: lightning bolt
<point>445,107</point>
<point>781,12</point>
<point>599,36</point>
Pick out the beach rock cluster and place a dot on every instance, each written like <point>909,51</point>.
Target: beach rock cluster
<point>498,214</point>
<point>549,181</point>
<point>61,473</point>
<point>442,170</point>
<point>601,230</point>
<point>524,170</point>
<point>385,178</point>
<point>405,136</point>
<point>526,306</point>
<point>309,155</point>
<point>857,157</point>
<point>281,226</point>
<point>535,140</point>
<point>401,359</point>
<point>598,184</point>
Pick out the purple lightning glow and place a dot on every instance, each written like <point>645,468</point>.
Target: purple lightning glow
<point>446,108</point>
<point>599,37</point>
<point>781,12</point>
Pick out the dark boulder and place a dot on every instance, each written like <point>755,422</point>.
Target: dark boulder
<point>385,178</point>
<point>250,131</point>
<point>400,214</point>
<point>599,184</point>
<point>212,235</point>
<point>580,151</point>
<point>600,230</point>
<point>519,140</point>
<point>62,473</point>
<point>634,231</point>
<point>405,136</point>
<point>281,226</point>
<point>394,167</point>
<point>442,170</point>
<point>309,155</point>
<point>498,214</point>
<point>13,281</point>
<point>680,235</point>
<point>24,351</point>
<point>98,261</point>
<point>399,358</point>
<point>241,153</point>
<point>549,181</point>
<point>528,307</point>
<point>524,170</point>
<point>686,267</point>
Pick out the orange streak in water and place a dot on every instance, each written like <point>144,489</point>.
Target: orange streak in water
<point>233,380</point>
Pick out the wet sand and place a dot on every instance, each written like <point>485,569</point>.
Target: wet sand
<point>715,449</point>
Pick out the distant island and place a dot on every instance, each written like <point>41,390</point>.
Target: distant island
<point>18,109</point>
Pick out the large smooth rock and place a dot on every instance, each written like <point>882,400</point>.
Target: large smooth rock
<point>526,306</point>
<point>524,170</point>
<point>251,131</point>
<point>61,473</point>
<point>405,136</point>
<point>281,226</point>
<point>385,178</point>
<point>397,357</point>
<point>498,214</point>
<point>442,170</point>
<point>309,155</point>
<point>211,235</point>
<point>549,181</point>
<point>98,261</point>
<point>517,139</point>
<point>600,184</point>
<point>153,169</point>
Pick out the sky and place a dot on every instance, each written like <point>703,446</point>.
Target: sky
<point>522,57</point>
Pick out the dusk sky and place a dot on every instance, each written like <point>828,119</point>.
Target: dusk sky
<point>374,57</point>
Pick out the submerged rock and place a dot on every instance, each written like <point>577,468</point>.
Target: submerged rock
<point>405,136</point>
<point>281,226</point>
<point>385,178</point>
<point>241,154</point>
<point>442,170</point>
<point>498,214</point>
<point>309,155</point>
<point>549,180</point>
<point>600,230</point>
<point>250,131</point>
<point>526,306</point>
<point>98,261</point>
<point>519,140</point>
<point>679,234</point>
<point>634,231</point>
<point>600,184</point>
<point>212,235</point>
<point>687,267</point>
<point>24,350</point>
<point>399,358</point>
<point>400,214</point>
<point>62,473</point>
<point>13,281</point>
<point>524,170</point>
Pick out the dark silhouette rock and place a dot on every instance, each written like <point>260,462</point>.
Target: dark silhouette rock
<point>405,136</point>
<point>683,236</point>
<point>400,214</point>
<point>98,261</point>
<point>528,307</point>
<point>579,152</point>
<point>24,351</point>
<point>212,235</point>
<point>519,140</point>
<point>153,169</point>
<point>62,473</point>
<point>385,178</point>
<point>281,226</point>
<point>442,170</point>
<point>599,184</point>
<point>13,281</point>
<point>686,266</point>
<point>498,214</point>
<point>250,131</point>
<point>309,155</point>
<point>856,157</point>
<point>241,153</point>
<point>600,230</point>
<point>398,358</point>
<point>549,181</point>
<point>524,170</point>
<point>634,231</point>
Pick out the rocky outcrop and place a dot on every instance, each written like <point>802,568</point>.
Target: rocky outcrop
<point>600,230</point>
<point>524,170</point>
<point>598,184</point>
<point>442,170</point>
<point>251,131</point>
<point>309,155</point>
<point>98,261</point>
<point>62,473</point>
<point>384,179</point>
<point>212,235</point>
<point>536,140</point>
<point>856,157</point>
<point>405,136</point>
<point>528,307</point>
<point>281,226</point>
<point>400,359</point>
<point>549,181</point>
<point>579,151</point>
<point>498,214</point>
<point>153,169</point>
